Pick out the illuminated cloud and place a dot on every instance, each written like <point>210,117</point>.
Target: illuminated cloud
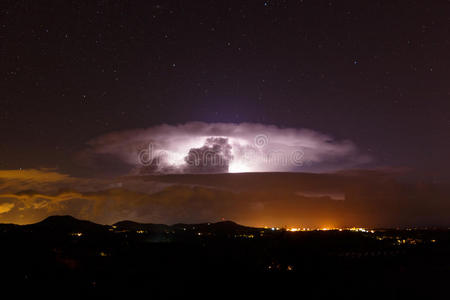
<point>5,207</point>
<point>11,180</point>
<point>222,147</point>
<point>213,157</point>
<point>366,198</point>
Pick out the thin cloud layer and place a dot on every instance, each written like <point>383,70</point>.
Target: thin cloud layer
<point>369,198</point>
<point>198,147</point>
<point>29,179</point>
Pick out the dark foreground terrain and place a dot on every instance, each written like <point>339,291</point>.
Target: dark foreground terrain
<point>66,256</point>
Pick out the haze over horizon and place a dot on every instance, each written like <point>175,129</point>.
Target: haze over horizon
<point>342,199</point>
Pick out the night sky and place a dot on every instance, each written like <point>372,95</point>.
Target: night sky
<point>373,72</point>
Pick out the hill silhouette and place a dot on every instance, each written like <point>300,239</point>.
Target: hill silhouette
<point>219,227</point>
<point>67,224</point>
<point>130,225</point>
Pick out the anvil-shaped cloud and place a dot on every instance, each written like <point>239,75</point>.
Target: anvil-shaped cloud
<point>198,147</point>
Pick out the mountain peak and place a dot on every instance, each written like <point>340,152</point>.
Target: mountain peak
<point>67,223</point>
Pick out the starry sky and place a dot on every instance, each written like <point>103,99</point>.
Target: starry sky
<point>373,72</point>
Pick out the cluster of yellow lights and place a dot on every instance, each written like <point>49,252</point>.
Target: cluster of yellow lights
<point>361,230</point>
<point>248,236</point>
<point>296,229</point>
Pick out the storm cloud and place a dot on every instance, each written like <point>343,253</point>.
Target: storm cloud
<point>198,147</point>
<point>213,157</point>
